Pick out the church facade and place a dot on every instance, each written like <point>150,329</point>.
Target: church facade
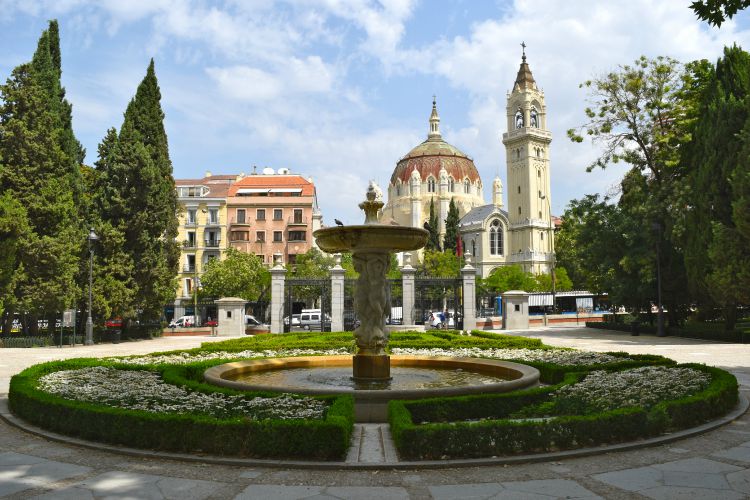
<point>436,172</point>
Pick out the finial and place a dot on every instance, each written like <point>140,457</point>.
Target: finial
<point>434,101</point>
<point>434,121</point>
<point>523,51</point>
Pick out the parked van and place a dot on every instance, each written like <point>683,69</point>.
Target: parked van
<point>313,319</point>
<point>182,322</point>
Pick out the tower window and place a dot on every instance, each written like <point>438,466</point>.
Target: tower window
<point>398,189</point>
<point>540,214</point>
<point>534,118</point>
<point>539,173</point>
<point>519,210</point>
<point>430,185</point>
<point>467,186</point>
<point>496,238</point>
<point>518,154</point>
<point>519,118</point>
<point>540,194</point>
<point>450,185</point>
<point>541,235</point>
<point>519,189</point>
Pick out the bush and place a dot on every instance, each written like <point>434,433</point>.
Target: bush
<point>325,439</point>
<point>438,428</point>
<point>694,331</point>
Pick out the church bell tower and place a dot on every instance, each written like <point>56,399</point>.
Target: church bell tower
<point>527,140</point>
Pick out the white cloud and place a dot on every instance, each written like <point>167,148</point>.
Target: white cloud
<point>245,83</point>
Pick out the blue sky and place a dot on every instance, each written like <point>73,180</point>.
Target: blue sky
<point>340,89</point>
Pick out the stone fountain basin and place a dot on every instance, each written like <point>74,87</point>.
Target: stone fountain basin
<point>371,237</point>
<point>372,405</point>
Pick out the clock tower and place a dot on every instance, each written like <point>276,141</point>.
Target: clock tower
<point>527,140</point>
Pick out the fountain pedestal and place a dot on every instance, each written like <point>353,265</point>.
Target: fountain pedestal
<point>371,245</point>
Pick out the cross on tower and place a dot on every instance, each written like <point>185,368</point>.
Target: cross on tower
<point>523,50</point>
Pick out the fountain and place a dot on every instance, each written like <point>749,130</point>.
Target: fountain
<point>371,384</point>
<point>371,245</point>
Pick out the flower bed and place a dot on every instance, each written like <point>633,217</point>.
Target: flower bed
<point>530,421</point>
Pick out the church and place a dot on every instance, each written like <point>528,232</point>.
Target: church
<point>436,172</point>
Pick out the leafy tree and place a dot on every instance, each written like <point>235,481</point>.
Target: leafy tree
<point>715,12</point>
<point>145,201</point>
<point>439,264</point>
<point>239,274</point>
<point>311,264</point>
<point>544,281</point>
<point>433,241</point>
<point>450,242</point>
<point>505,278</point>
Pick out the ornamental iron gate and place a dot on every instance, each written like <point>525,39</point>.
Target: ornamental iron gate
<point>433,295</point>
<point>307,304</point>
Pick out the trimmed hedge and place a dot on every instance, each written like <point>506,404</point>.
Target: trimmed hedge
<point>326,439</point>
<point>437,439</point>
<point>736,336</point>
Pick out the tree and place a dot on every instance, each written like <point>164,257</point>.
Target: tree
<point>439,264</point>
<point>140,178</point>
<point>239,274</point>
<point>715,12</point>
<point>505,278</point>
<point>433,241</point>
<point>715,162</point>
<point>450,242</point>
<point>544,281</point>
<point>13,229</point>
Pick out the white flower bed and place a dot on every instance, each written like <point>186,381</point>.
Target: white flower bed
<point>182,358</point>
<point>144,390</point>
<point>642,387</point>
<point>557,356</point>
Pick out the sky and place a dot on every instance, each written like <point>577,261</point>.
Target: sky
<point>340,90</point>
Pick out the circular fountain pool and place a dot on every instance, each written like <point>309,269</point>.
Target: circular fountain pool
<point>413,377</point>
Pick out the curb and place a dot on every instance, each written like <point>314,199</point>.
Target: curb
<point>738,411</point>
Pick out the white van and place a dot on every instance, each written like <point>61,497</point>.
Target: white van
<point>182,322</point>
<point>310,319</point>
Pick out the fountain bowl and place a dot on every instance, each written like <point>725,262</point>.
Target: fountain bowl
<point>371,405</point>
<point>371,238</point>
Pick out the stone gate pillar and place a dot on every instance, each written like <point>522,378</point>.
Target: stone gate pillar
<point>337,295</point>
<point>408,291</point>
<point>469,277</point>
<point>515,310</point>
<point>231,312</point>
<point>278,275</point>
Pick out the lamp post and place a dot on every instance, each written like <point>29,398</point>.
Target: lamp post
<point>92,237</point>
<point>660,315</point>
<point>552,252</point>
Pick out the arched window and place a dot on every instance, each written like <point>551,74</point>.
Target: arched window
<point>534,118</point>
<point>467,186</point>
<point>451,187</point>
<point>398,189</point>
<point>430,185</point>
<point>496,238</point>
<point>519,118</point>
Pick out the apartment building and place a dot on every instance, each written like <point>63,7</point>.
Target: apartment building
<point>274,212</point>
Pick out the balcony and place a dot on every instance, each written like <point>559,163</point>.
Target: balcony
<point>191,223</point>
<point>239,222</point>
<point>297,221</point>
<point>188,244</point>
<point>213,222</point>
<point>213,243</point>
<point>187,268</point>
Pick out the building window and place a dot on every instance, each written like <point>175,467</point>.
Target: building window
<point>297,235</point>
<point>496,238</point>
<point>277,236</point>
<point>213,216</point>
<point>473,248</point>
<point>240,235</point>
<point>540,214</point>
<point>298,216</point>
<point>534,118</point>
<point>292,258</point>
<point>190,239</point>
<point>451,187</point>
<point>519,189</point>
<point>260,236</point>
<point>519,118</point>
<point>261,257</point>
<point>430,185</point>
<point>467,186</point>
<point>519,210</point>
<point>539,173</point>
<point>260,214</point>
<point>278,214</point>
<point>241,215</point>
<point>541,235</point>
<point>398,189</point>
<point>191,216</point>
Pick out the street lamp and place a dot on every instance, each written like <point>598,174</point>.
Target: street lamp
<point>551,236</point>
<point>92,237</point>
<point>660,317</point>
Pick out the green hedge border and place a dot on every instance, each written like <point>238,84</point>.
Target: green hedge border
<point>326,439</point>
<point>735,336</point>
<point>497,437</point>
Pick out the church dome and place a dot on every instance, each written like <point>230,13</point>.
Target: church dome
<point>434,154</point>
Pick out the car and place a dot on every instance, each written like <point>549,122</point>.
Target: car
<point>113,323</point>
<point>182,322</point>
<point>251,321</point>
<point>295,320</point>
<point>310,319</point>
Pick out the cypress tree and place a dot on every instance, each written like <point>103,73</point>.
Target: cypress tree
<point>433,242</point>
<point>451,229</point>
<point>711,160</point>
<point>140,169</point>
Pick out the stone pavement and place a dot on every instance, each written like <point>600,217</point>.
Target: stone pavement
<point>714,465</point>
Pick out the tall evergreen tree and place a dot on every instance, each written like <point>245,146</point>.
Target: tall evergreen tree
<point>433,241</point>
<point>140,169</point>
<point>711,160</point>
<point>450,241</point>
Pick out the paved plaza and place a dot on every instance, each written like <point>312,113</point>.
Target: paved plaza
<point>714,465</point>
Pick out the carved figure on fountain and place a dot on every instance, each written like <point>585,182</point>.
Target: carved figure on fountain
<point>370,301</point>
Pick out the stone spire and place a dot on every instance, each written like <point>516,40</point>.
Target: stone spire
<point>497,192</point>
<point>524,79</point>
<point>434,133</point>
